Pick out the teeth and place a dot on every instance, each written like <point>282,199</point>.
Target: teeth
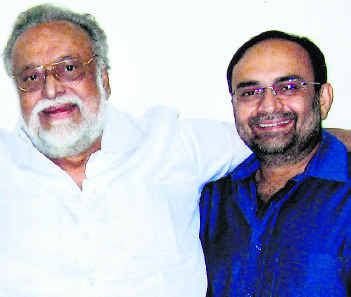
<point>273,124</point>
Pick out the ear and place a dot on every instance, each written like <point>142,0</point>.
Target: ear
<point>325,99</point>
<point>106,82</point>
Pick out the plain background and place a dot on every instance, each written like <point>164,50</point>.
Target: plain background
<point>175,53</point>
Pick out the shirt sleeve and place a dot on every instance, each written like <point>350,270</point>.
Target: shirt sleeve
<point>215,146</point>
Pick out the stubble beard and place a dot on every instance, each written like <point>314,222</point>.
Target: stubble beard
<point>66,138</point>
<point>293,148</point>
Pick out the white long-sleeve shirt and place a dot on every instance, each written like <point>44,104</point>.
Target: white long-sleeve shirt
<point>133,229</point>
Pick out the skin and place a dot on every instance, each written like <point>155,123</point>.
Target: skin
<point>51,42</point>
<point>272,130</point>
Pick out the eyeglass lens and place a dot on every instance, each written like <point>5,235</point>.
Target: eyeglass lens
<point>32,79</point>
<point>285,88</point>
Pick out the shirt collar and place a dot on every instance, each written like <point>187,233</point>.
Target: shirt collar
<point>330,162</point>
<point>246,168</point>
<point>121,132</point>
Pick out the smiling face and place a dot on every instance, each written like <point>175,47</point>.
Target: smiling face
<point>276,125</point>
<point>60,114</point>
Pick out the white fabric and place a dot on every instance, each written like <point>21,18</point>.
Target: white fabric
<point>132,230</point>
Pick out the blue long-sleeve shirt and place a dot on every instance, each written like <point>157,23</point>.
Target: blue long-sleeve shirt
<point>300,245</point>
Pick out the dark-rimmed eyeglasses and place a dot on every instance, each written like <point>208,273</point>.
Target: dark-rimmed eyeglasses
<point>70,69</point>
<point>283,89</point>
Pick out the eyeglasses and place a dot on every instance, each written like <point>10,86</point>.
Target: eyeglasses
<point>284,89</point>
<point>67,70</point>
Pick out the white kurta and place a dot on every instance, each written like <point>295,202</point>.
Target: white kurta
<point>132,230</point>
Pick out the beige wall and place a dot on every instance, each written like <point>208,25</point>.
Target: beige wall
<point>175,53</point>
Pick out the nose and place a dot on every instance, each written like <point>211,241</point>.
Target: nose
<point>270,101</point>
<point>52,88</point>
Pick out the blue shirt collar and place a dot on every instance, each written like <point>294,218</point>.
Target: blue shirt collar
<point>329,162</point>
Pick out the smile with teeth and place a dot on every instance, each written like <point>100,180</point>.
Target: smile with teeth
<point>275,124</point>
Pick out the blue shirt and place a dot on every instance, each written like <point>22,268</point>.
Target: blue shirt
<point>299,246</point>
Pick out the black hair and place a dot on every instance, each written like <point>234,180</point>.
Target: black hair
<point>315,54</point>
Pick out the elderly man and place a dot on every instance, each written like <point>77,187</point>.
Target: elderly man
<point>97,203</point>
<point>279,224</point>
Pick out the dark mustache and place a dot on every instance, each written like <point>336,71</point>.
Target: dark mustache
<point>272,116</point>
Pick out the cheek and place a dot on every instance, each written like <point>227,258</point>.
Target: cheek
<point>89,84</point>
<point>88,92</point>
<point>242,113</point>
<point>27,103</point>
<point>304,111</point>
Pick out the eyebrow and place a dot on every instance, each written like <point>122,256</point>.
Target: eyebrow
<point>247,84</point>
<point>288,78</point>
<point>24,68</point>
<point>33,66</point>
<point>279,79</point>
<point>63,58</point>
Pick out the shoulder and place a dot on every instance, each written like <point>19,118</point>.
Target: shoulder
<point>10,147</point>
<point>220,187</point>
<point>124,131</point>
<point>155,119</point>
<point>225,185</point>
<point>199,134</point>
<point>8,141</point>
<point>161,117</point>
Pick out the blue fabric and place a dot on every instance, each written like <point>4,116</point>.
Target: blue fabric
<point>300,245</point>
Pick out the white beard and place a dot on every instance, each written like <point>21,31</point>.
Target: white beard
<point>66,138</point>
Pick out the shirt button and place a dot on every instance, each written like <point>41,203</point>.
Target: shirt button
<point>259,248</point>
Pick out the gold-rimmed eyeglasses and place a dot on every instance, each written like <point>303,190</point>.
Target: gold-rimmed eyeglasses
<point>69,69</point>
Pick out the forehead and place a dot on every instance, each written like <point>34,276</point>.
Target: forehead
<point>47,42</point>
<point>271,59</point>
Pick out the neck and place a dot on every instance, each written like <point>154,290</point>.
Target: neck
<point>75,165</point>
<point>273,176</point>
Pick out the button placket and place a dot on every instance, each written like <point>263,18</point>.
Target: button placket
<point>259,247</point>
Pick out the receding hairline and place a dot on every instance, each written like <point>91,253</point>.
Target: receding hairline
<point>44,13</point>
<point>274,40</point>
<point>51,25</point>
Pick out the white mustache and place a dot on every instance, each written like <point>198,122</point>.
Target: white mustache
<point>46,103</point>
